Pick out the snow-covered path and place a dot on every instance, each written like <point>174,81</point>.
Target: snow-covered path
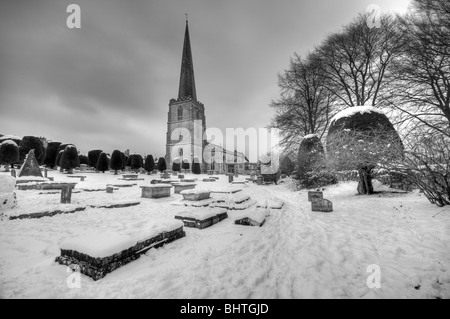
<point>296,254</point>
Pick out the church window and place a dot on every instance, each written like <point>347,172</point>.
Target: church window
<point>180,113</point>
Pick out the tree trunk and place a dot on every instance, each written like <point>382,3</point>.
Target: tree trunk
<point>115,172</point>
<point>365,186</point>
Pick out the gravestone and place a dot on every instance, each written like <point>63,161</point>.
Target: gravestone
<point>13,173</point>
<point>321,205</point>
<point>314,195</point>
<point>109,189</point>
<point>7,196</point>
<point>31,166</point>
<point>66,194</point>
<point>45,172</point>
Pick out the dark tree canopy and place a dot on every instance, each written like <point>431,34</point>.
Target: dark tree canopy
<point>103,162</point>
<point>149,163</point>
<point>185,164</point>
<point>359,139</point>
<point>136,161</point>
<point>196,169</point>
<point>9,152</point>
<point>286,166</point>
<point>162,166</point>
<point>32,142</point>
<point>176,165</point>
<point>69,158</point>
<point>83,159</point>
<point>116,161</point>
<point>58,158</point>
<point>93,156</point>
<point>51,154</point>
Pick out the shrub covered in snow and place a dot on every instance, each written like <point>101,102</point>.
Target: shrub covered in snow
<point>69,159</point>
<point>51,154</point>
<point>9,153</point>
<point>103,162</point>
<point>311,170</point>
<point>176,165</point>
<point>360,138</point>
<point>149,164</point>
<point>185,164</point>
<point>136,161</point>
<point>162,166</point>
<point>32,142</point>
<point>93,156</point>
<point>116,161</point>
<point>196,169</point>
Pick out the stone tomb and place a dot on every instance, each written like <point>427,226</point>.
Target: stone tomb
<point>178,187</point>
<point>255,217</point>
<point>96,255</point>
<point>202,217</point>
<point>195,195</point>
<point>318,203</point>
<point>156,190</point>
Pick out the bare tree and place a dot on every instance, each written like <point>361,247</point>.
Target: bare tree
<point>420,77</point>
<point>304,104</point>
<point>355,61</point>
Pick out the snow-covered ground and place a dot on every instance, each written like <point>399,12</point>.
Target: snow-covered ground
<point>296,254</point>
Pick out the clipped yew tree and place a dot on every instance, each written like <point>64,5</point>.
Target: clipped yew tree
<point>311,168</point>
<point>9,153</point>
<point>196,169</point>
<point>83,159</point>
<point>58,160</point>
<point>287,166</point>
<point>27,144</point>
<point>362,138</point>
<point>116,161</point>
<point>102,163</point>
<point>136,162</point>
<point>93,156</point>
<point>176,164</point>
<point>69,159</point>
<point>162,166</point>
<point>149,164</point>
<point>185,165</point>
<point>51,154</point>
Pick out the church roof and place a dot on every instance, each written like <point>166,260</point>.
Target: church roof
<point>187,81</point>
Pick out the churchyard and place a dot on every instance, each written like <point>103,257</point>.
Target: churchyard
<point>128,245</point>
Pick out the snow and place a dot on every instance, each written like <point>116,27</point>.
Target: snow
<point>98,245</point>
<point>7,184</point>
<point>257,215</point>
<point>31,178</point>
<point>296,254</point>
<point>194,191</point>
<point>202,213</point>
<point>309,136</point>
<point>8,142</point>
<point>9,137</point>
<point>353,110</point>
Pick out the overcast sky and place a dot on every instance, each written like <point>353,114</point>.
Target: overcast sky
<point>107,85</point>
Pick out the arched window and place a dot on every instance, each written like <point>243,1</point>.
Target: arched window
<point>180,113</point>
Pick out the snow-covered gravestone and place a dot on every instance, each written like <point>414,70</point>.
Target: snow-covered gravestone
<point>7,196</point>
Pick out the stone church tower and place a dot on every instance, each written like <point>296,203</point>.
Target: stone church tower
<point>186,117</point>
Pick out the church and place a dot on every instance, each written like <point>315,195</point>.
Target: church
<point>186,125</point>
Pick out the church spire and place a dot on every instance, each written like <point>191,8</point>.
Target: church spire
<point>187,82</point>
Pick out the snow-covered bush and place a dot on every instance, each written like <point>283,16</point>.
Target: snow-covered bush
<point>116,161</point>
<point>9,153</point>
<point>51,154</point>
<point>69,159</point>
<point>149,164</point>
<point>103,162</point>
